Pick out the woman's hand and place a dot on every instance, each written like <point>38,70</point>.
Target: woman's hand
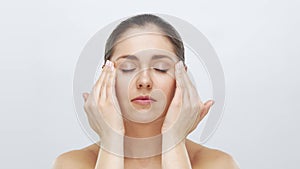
<point>184,114</point>
<point>105,118</point>
<point>186,109</point>
<point>102,108</point>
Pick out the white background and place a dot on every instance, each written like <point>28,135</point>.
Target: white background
<point>257,42</point>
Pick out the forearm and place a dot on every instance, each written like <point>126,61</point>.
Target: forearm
<point>111,157</point>
<point>176,158</point>
<point>108,160</point>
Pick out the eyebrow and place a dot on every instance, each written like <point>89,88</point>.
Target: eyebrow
<point>131,57</point>
<point>154,57</point>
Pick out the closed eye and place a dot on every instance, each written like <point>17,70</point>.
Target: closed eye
<point>161,66</point>
<point>127,67</point>
<point>161,70</point>
<point>127,70</point>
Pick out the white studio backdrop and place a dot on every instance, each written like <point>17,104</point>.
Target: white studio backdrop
<point>257,43</point>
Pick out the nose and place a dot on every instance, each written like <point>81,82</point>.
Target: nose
<point>144,80</point>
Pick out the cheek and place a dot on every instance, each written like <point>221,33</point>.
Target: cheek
<point>168,87</point>
<point>126,83</point>
<point>121,86</point>
<point>172,89</point>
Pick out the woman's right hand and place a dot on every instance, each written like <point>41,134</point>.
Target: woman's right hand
<point>102,108</point>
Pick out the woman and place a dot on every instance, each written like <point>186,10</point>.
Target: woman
<point>143,105</point>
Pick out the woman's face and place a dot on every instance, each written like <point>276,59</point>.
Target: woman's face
<point>145,79</point>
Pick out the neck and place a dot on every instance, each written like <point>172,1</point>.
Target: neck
<point>143,130</point>
<point>143,140</point>
<point>150,162</point>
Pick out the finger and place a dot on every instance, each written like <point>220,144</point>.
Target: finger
<point>191,89</point>
<point>178,74</point>
<point>85,96</point>
<point>207,105</point>
<point>179,80</point>
<point>202,114</point>
<point>194,100</point>
<point>102,93</point>
<point>111,82</point>
<point>97,86</point>
<point>176,105</point>
<point>182,82</point>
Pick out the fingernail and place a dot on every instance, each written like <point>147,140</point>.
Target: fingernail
<point>107,63</point>
<point>110,65</point>
<point>212,102</point>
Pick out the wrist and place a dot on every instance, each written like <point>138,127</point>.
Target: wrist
<point>113,144</point>
<point>171,141</point>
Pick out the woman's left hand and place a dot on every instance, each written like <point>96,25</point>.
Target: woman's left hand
<point>186,109</point>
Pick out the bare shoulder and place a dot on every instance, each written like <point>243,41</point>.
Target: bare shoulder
<point>78,159</point>
<point>204,157</point>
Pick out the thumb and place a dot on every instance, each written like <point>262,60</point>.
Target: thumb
<point>207,106</point>
<point>85,96</point>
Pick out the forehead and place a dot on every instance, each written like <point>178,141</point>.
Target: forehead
<point>139,42</point>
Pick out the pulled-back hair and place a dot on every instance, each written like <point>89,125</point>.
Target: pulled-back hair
<point>140,21</point>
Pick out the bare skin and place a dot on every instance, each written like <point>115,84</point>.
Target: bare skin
<point>143,68</point>
<point>200,157</point>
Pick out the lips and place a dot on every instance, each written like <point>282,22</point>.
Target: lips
<point>143,100</point>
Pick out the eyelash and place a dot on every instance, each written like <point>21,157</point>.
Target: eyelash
<point>127,71</point>
<point>159,70</point>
